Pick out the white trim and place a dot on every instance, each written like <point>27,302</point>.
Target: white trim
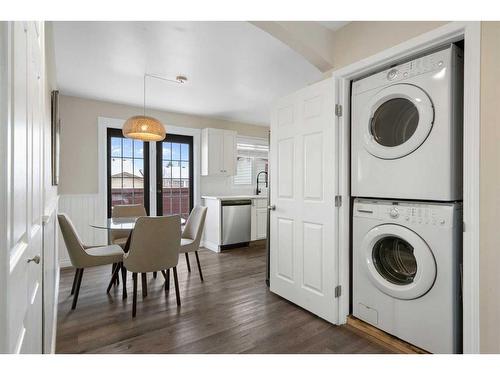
<point>453,31</point>
<point>103,123</point>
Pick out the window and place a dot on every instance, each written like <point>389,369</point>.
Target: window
<point>252,158</point>
<point>127,170</point>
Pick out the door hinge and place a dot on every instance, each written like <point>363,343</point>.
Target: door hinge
<point>463,226</point>
<point>338,291</point>
<point>338,200</point>
<point>338,110</point>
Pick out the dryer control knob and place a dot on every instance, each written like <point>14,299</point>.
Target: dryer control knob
<point>394,213</point>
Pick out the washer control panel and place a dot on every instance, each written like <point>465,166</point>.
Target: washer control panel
<point>409,213</point>
<point>431,63</point>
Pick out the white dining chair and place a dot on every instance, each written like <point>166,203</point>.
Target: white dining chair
<point>154,246</point>
<point>191,235</point>
<point>83,256</point>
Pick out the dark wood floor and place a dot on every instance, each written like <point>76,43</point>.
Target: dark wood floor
<point>231,312</point>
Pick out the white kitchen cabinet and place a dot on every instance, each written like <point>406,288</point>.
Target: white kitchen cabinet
<point>218,152</point>
<point>261,223</point>
<point>213,225</point>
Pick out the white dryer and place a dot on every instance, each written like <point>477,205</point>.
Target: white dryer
<point>406,263</point>
<point>406,139</point>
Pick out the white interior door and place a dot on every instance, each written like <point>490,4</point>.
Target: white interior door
<point>303,266</point>
<point>24,238</point>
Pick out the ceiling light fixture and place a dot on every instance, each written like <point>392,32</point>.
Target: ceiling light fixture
<point>147,128</point>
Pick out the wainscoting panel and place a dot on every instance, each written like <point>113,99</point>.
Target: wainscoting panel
<point>83,210</point>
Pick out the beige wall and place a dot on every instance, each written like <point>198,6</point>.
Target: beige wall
<point>361,39</point>
<point>79,163</point>
<point>490,188</point>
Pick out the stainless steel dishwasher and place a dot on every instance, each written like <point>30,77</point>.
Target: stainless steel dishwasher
<point>235,218</point>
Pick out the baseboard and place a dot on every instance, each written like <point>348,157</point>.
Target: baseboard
<point>64,263</point>
<point>210,246</point>
<point>381,337</point>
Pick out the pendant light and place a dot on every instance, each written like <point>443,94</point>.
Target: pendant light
<point>144,128</point>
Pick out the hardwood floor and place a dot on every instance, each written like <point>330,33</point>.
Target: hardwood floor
<point>232,311</point>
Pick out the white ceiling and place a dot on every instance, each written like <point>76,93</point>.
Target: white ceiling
<point>234,69</point>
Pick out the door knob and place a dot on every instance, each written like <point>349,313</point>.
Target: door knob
<point>272,208</point>
<point>35,259</point>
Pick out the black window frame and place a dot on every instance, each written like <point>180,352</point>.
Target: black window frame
<point>173,138</point>
<point>117,133</point>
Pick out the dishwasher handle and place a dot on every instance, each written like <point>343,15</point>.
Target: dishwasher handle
<point>237,202</point>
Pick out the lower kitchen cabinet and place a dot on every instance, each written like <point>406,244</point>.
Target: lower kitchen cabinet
<point>213,234</point>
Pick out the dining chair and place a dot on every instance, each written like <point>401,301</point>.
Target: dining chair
<point>83,256</point>
<point>120,236</point>
<point>154,246</point>
<point>191,235</point>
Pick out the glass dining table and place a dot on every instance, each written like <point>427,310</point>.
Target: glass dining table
<point>122,223</point>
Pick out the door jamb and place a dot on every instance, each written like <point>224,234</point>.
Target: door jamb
<point>453,31</point>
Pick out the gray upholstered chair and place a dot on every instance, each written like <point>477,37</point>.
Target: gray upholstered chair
<point>154,246</point>
<point>120,236</point>
<point>83,256</point>
<point>191,235</point>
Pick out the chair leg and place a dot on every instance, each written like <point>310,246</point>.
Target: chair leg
<point>176,282</point>
<point>113,278</point>
<point>77,290</point>
<point>199,265</point>
<point>74,282</point>
<point>124,280</point>
<point>167,284</point>
<point>134,299</point>
<point>187,262</point>
<point>144,285</point>
<point>166,276</point>
<point>154,274</point>
<point>113,269</point>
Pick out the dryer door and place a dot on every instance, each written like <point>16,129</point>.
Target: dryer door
<point>398,261</point>
<point>397,121</point>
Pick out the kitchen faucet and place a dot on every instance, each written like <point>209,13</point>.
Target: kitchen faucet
<point>258,175</point>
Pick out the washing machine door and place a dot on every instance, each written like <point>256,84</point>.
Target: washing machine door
<point>398,261</point>
<point>397,121</point>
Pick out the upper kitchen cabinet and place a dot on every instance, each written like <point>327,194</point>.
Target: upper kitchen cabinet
<point>218,152</point>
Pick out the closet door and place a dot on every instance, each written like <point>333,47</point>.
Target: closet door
<point>22,191</point>
<point>303,247</point>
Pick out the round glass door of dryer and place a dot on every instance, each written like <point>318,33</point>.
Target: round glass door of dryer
<point>394,260</point>
<point>398,120</point>
<point>398,261</point>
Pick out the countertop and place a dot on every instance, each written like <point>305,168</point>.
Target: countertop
<point>232,197</point>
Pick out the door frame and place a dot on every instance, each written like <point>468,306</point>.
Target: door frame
<point>470,32</point>
<point>159,172</point>
<point>103,123</point>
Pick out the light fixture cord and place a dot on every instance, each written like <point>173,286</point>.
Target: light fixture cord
<point>144,95</point>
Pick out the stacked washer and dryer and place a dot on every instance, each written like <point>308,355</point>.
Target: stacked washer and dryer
<point>406,177</point>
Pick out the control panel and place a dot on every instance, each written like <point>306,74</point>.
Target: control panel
<point>407,213</point>
<point>425,64</point>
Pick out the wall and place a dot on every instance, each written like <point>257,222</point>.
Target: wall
<point>490,188</point>
<point>361,39</point>
<point>79,137</point>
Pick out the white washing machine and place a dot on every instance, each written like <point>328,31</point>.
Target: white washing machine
<point>406,271</point>
<point>406,139</point>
